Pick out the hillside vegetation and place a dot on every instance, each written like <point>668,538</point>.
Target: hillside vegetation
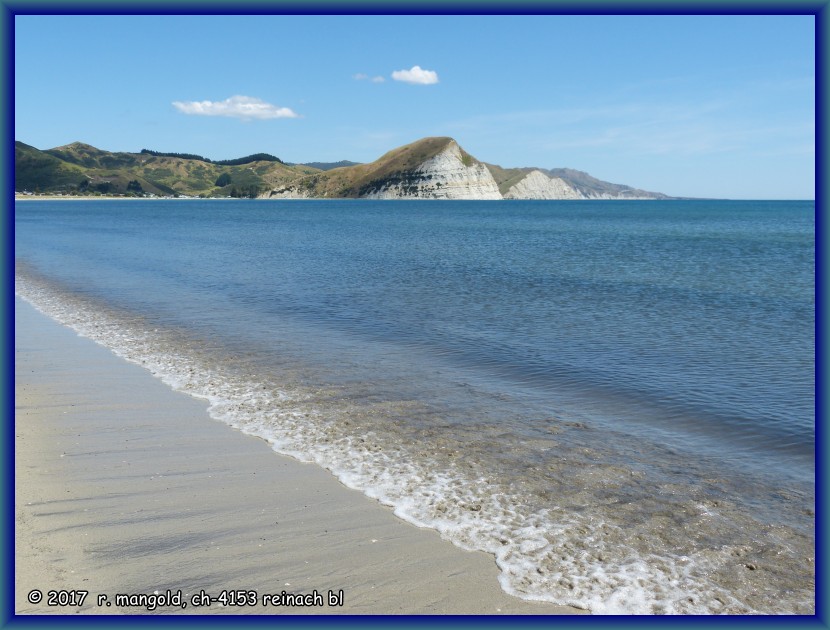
<point>79,168</point>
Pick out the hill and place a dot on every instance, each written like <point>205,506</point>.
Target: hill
<point>430,168</point>
<point>397,169</point>
<point>79,168</point>
<point>37,170</point>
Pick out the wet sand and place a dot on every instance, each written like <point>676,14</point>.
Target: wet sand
<point>123,486</point>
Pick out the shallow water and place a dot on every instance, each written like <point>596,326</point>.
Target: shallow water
<point>616,399</point>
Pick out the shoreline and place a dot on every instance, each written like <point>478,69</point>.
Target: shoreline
<point>123,486</point>
<point>47,197</point>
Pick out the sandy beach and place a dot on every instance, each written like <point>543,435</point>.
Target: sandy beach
<point>123,486</point>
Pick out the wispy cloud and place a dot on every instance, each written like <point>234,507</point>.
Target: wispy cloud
<point>711,127</point>
<point>242,107</point>
<point>365,77</point>
<point>416,75</point>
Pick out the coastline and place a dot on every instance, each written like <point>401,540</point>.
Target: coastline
<point>124,486</point>
<point>46,197</point>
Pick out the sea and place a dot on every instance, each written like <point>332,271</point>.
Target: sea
<point>616,399</point>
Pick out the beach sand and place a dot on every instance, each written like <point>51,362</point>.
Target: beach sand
<point>123,486</point>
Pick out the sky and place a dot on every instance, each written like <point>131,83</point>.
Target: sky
<point>698,106</point>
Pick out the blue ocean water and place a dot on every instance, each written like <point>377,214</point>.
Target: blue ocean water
<point>616,399</point>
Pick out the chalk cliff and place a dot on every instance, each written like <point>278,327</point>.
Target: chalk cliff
<point>448,174</point>
<point>287,192</point>
<point>537,185</point>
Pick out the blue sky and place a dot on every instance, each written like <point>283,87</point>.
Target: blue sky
<point>704,106</point>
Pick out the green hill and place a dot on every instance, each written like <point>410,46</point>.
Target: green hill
<point>79,168</point>
<point>38,171</point>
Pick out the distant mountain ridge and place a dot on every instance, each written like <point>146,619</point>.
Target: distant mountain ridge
<point>327,166</point>
<point>430,168</point>
<point>594,188</point>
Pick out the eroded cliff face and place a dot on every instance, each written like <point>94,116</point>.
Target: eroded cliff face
<point>443,176</point>
<point>537,185</point>
<point>290,192</point>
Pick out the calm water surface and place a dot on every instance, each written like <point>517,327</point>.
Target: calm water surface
<point>616,399</point>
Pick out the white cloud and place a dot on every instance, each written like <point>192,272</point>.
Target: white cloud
<point>378,79</point>
<point>244,107</point>
<point>416,75</point>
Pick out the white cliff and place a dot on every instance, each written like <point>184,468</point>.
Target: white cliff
<point>291,192</point>
<point>443,176</point>
<point>537,185</point>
